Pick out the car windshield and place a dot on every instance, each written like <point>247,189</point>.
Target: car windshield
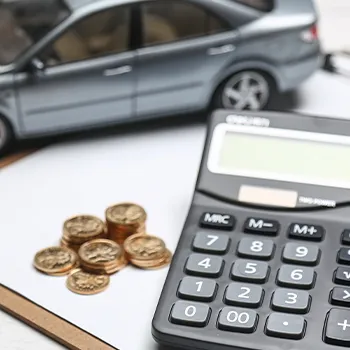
<point>25,22</point>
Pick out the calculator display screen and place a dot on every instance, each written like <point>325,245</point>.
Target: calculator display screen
<point>286,155</point>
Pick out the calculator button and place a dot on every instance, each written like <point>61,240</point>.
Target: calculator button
<point>304,254</point>
<point>261,226</point>
<point>237,320</point>
<point>345,238</point>
<point>200,289</point>
<point>296,277</point>
<point>255,248</point>
<point>308,232</point>
<point>338,327</point>
<point>211,243</point>
<point>340,296</point>
<point>342,276</point>
<point>204,265</point>
<point>285,326</point>
<point>344,256</point>
<point>190,314</point>
<point>220,221</point>
<point>240,294</point>
<point>289,300</point>
<point>250,271</point>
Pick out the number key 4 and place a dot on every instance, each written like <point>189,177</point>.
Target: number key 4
<point>204,265</point>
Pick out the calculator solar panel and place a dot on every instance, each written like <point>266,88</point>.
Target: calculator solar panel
<point>255,276</point>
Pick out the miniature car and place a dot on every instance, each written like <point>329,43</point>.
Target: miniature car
<point>77,64</point>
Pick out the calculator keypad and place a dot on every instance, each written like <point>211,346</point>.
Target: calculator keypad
<point>199,289</point>
<point>256,248</point>
<point>211,243</point>
<point>285,326</point>
<point>296,277</point>
<point>190,314</point>
<point>237,320</point>
<point>289,300</point>
<point>240,294</point>
<point>204,265</point>
<point>247,262</point>
<point>250,271</point>
<point>303,254</point>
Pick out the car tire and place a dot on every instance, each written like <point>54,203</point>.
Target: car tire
<point>6,135</point>
<point>245,90</point>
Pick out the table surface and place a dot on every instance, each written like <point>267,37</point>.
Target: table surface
<point>15,335</point>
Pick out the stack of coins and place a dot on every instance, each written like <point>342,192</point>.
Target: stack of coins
<point>56,261</point>
<point>80,229</point>
<point>102,256</point>
<point>124,220</point>
<point>147,252</point>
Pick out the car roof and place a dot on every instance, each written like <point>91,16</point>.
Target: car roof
<point>75,4</point>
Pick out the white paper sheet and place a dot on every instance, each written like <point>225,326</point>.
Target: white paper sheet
<point>157,169</point>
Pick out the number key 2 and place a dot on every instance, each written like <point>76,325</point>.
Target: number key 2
<point>207,242</point>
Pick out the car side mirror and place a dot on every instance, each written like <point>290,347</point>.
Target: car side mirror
<point>37,66</point>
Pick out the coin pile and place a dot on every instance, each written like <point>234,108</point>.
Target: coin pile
<point>91,250</point>
<point>102,256</point>
<point>80,229</point>
<point>147,252</point>
<point>124,220</point>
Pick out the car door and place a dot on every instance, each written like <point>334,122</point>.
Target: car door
<point>88,77</point>
<point>184,46</point>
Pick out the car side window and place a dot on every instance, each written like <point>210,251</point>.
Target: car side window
<point>170,21</point>
<point>100,34</point>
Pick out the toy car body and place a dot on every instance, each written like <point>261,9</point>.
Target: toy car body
<point>67,65</point>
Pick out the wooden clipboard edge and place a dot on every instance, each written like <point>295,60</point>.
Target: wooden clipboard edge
<point>35,316</point>
<point>51,325</point>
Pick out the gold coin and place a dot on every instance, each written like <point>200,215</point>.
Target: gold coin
<point>100,252</point>
<point>154,264</point>
<point>144,247</point>
<point>85,283</point>
<point>55,260</point>
<point>83,227</point>
<point>125,214</point>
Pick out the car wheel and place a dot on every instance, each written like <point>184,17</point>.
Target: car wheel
<point>6,135</point>
<point>247,90</point>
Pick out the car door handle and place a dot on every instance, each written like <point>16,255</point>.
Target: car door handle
<point>117,71</point>
<point>221,50</point>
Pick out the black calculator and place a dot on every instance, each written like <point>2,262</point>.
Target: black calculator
<point>263,261</point>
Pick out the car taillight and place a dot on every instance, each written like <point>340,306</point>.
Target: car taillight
<point>310,35</point>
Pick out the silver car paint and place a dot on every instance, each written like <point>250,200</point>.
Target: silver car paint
<point>164,79</point>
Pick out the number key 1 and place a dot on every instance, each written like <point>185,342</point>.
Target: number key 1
<point>194,288</point>
<point>211,243</point>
